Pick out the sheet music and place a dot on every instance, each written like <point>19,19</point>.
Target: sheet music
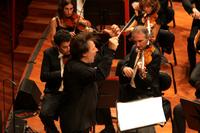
<point>140,113</point>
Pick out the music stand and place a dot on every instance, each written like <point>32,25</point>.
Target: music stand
<point>192,113</point>
<point>140,113</point>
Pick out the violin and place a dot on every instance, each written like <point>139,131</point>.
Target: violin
<point>149,20</point>
<point>148,54</point>
<point>145,58</point>
<point>82,24</point>
<point>69,22</point>
<point>152,18</point>
<point>75,23</point>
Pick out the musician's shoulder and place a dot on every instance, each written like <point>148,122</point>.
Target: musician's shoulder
<point>53,21</point>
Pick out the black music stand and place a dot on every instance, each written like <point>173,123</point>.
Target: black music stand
<point>192,113</point>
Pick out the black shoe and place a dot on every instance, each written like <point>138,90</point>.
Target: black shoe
<point>108,130</point>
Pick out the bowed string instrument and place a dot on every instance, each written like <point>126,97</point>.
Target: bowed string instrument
<point>150,21</point>
<point>76,22</point>
<point>143,58</point>
<point>80,23</point>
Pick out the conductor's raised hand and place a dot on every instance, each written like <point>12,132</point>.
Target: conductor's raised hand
<point>113,43</point>
<point>113,31</point>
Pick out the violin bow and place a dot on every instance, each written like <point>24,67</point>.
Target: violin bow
<point>128,24</point>
<point>81,11</point>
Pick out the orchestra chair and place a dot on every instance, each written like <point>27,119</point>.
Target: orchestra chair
<point>167,44</point>
<point>172,37</point>
<point>174,25</point>
<point>166,41</point>
<point>108,94</point>
<point>173,52</point>
<point>171,5</point>
<point>168,50</point>
<point>165,83</point>
<point>165,62</point>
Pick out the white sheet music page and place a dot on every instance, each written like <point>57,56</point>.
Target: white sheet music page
<point>140,113</point>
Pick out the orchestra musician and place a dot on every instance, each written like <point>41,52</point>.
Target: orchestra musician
<point>68,19</point>
<point>165,13</point>
<point>52,74</point>
<point>149,11</point>
<point>139,71</point>
<point>192,7</point>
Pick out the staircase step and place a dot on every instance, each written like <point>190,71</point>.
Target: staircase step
<point>23,53</point>
<point>36,23</point>
<point>43,4</point>
<point>24,50</point>
<point>47,1</point>
<point>29,38</point>
<point>42,8</point>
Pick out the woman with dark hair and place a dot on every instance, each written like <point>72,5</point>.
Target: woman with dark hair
<point>67,19</point>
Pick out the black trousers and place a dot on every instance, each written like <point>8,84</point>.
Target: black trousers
<point>195,80</point>
<point>84,131</point>
<point>190,46</point>
<point>179,120</point>
<point>50,111</point>
<point>104,117</point>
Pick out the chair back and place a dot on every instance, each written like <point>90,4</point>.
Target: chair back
<point>108,92</point>
<point>165,81</point>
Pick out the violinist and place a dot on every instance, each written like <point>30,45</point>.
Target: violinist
<point>149,11</point>
<point>67,19</point>
<point>148,14</point>
<point>165,13</point>
<point>142,68</point>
